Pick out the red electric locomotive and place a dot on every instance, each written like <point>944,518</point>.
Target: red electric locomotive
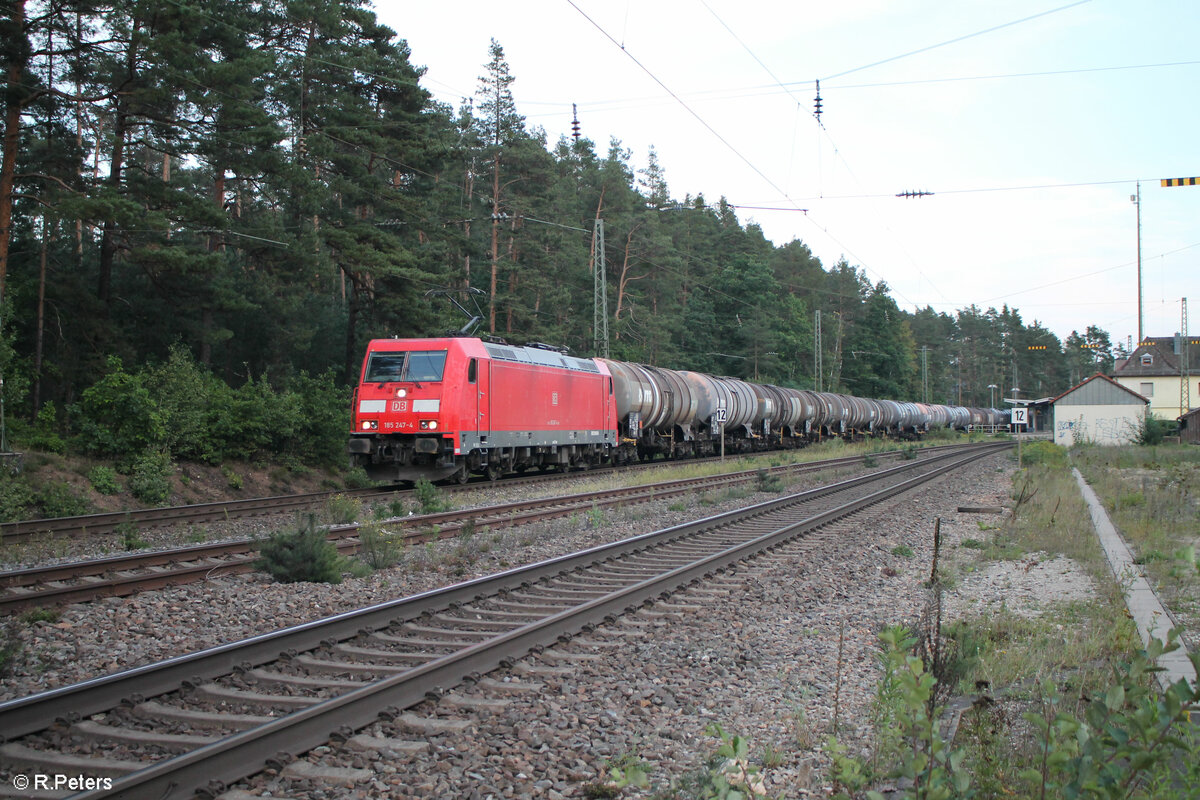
<point>450,407</point>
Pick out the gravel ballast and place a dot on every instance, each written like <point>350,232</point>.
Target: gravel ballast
<point>761,659</point>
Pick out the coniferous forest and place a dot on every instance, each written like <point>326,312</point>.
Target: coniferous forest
<point>208,207</point>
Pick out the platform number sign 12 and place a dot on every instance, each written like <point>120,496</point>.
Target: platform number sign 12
<point>718,419</point>
<point>1020,416</point>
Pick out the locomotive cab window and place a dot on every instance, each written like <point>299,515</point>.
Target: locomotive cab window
<point>392,366</point>
<point>385,367</point>
<point>471,371</point>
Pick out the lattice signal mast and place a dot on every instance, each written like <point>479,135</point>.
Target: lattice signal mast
<point>1185,369</point>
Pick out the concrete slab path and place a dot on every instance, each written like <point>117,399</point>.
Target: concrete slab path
<point>1148,614</point>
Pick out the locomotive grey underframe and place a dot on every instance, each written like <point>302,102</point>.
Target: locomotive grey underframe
<point>400,457</point>
<point>470,440</point>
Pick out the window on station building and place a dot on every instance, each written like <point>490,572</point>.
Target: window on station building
<point>1147,390</point>
<point>1147,359</point>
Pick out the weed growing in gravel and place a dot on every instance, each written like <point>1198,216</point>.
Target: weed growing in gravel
<point>764,481</point>
<point>903,550</point>
<point>772,757</point>
<point>396,506</point>
<point>378,548</point>
<point>10,646</point>
<point>909,743</point>
<point>342,510</point>
<point>623,771</point>
<point>41,615</point>
<point>728,774</point>
<point>129,535</point>
<point>467,532</point>
<point>802,735</point>
<point>595,516</point>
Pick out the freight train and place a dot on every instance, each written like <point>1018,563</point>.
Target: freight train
<point>449,408</point>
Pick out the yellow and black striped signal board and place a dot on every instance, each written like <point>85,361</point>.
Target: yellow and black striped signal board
<point>1180,181</point>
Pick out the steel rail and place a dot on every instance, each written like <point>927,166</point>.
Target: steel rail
<point>116,576</point>
<point>25,715</point>
<point>242,754</point>
<point>108,521</point>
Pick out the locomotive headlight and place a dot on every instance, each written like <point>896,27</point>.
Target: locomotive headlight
<point>402,393</point>
<point>369,424</point>
<point>429,424</point>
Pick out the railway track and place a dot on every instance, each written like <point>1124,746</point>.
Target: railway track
<point>201,721</point>
<point>81,581</point>
<point>149,518</point>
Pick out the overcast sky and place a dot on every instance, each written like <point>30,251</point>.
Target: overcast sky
<point>1030,121</point>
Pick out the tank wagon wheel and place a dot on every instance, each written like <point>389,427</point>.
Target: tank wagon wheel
<point>463,475</point>
<point>494,472</point>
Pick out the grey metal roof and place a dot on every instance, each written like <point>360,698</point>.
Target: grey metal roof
<point>1100,390</point>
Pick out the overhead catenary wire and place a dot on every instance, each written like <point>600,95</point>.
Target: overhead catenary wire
<point>955,40</point>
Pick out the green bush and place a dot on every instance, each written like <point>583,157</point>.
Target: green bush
<point>45,433</point>
<point>301,555</point>
<point>190,400</point>
<point>1152,430</point>
<point>181,407</point>
<point>118,416</point>
<point>357,478</point>
<point>149,480</point>
<point>104,480</point>
<point>429,498</point>
<point>233,479</point>
<point>17,498</point>
<point>58,499</point>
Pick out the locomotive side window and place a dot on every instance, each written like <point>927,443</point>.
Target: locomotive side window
<point>471,371</point>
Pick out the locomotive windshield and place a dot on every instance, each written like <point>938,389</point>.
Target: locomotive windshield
<point>418,366</point>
